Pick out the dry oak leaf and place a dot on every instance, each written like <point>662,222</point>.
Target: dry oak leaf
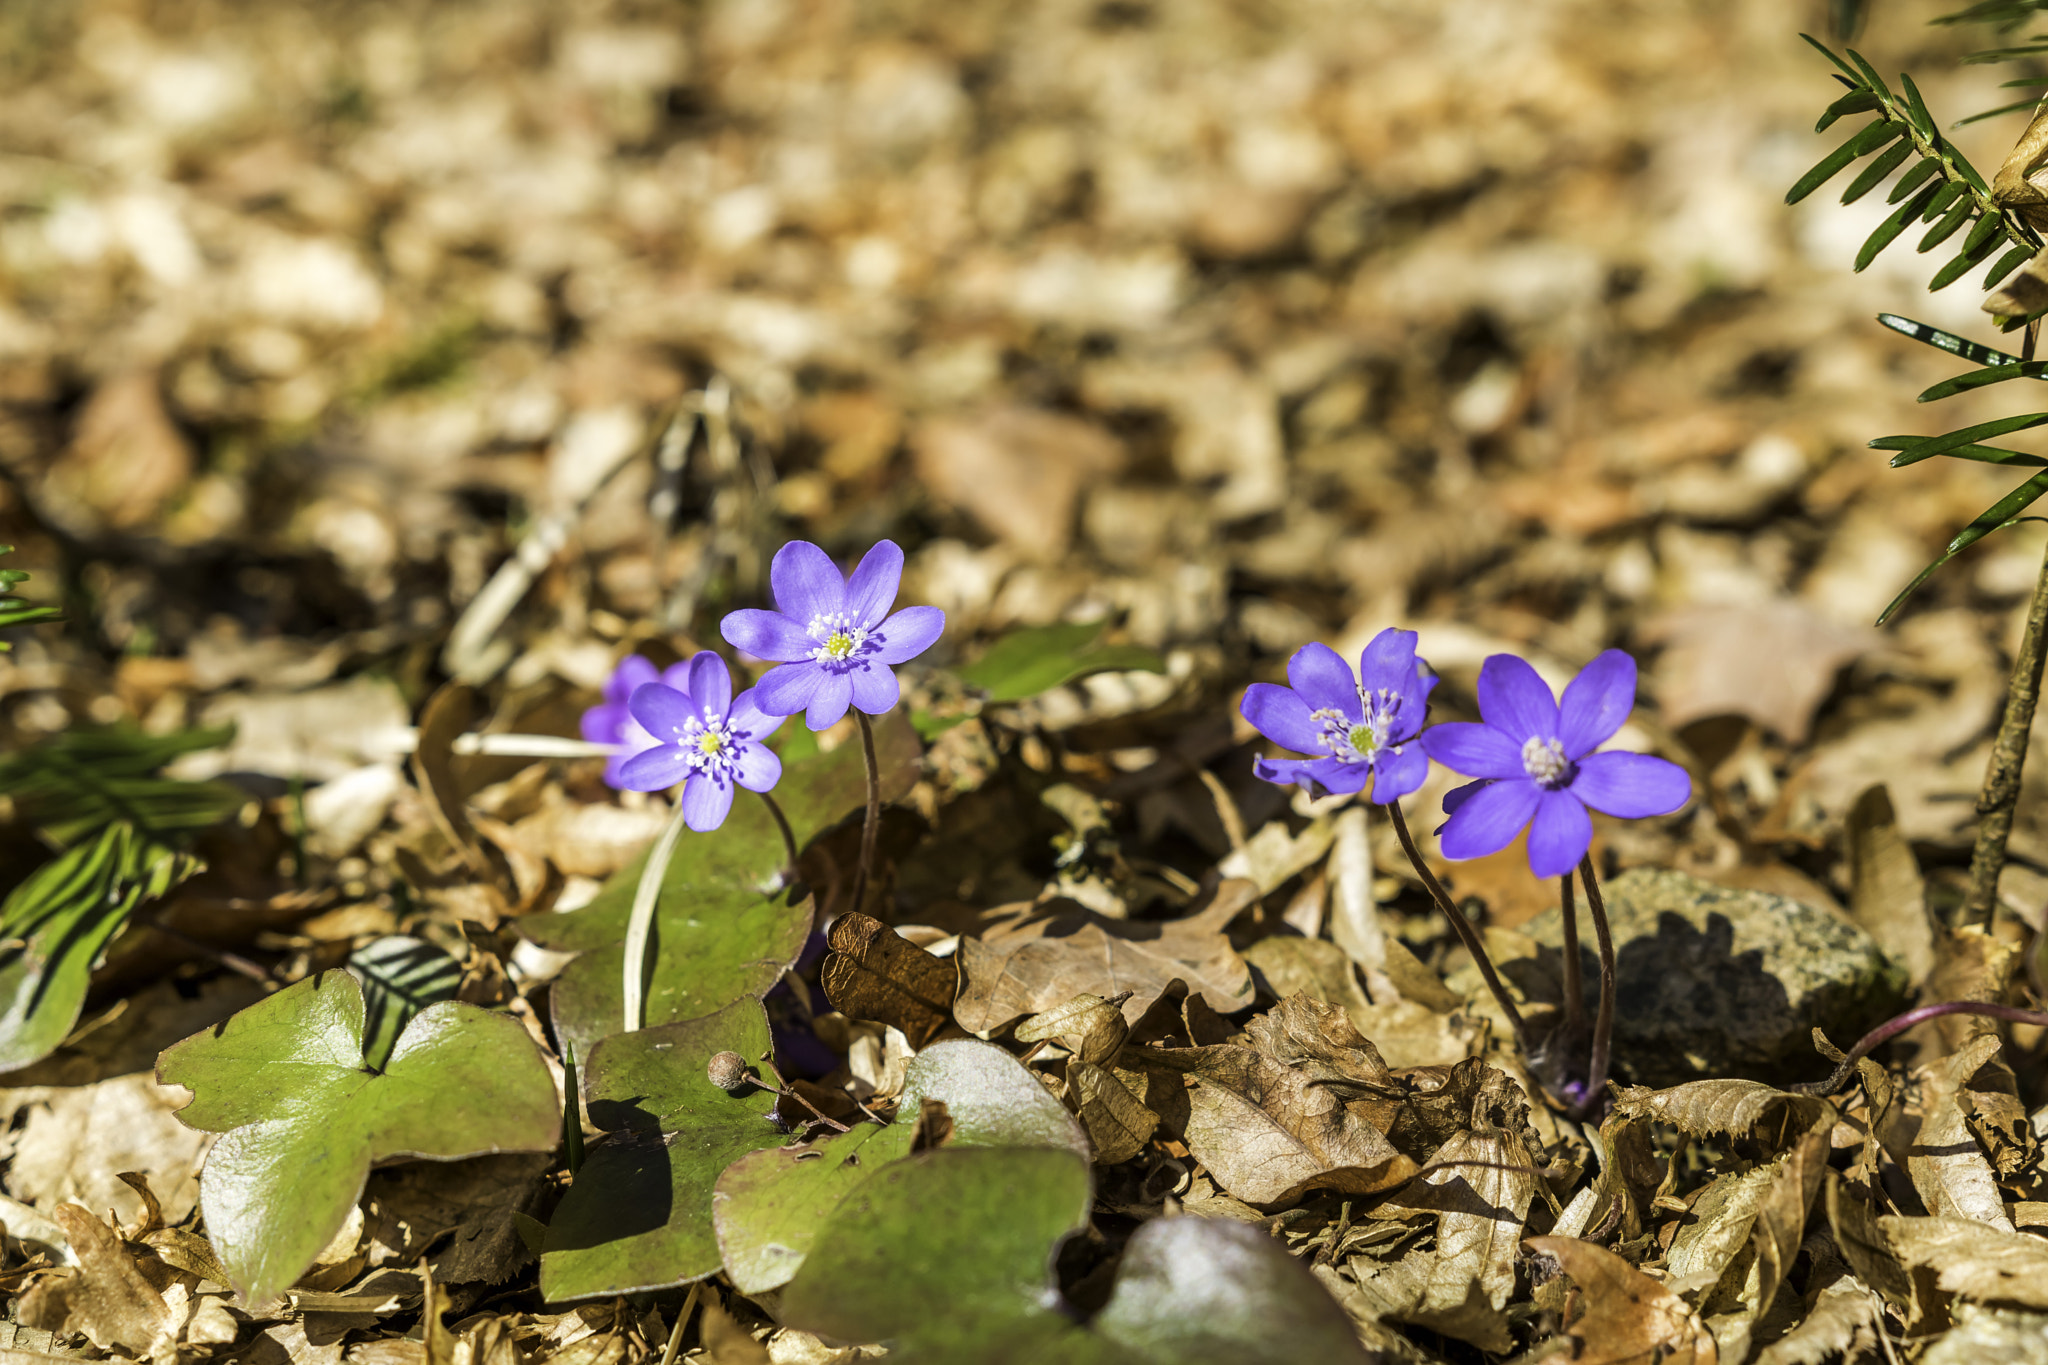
<point>1290,1107</point>
<point>1625,1317</point>
<point>1035,964</point>
<point>875,973</point>
<point>107,1298</point>
<point>1773,662</point>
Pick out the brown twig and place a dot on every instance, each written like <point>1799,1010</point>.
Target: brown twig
<point>1460,926</point>
<point>2001,790</point>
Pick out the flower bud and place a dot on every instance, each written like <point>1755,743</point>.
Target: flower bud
<point>728,1071</point>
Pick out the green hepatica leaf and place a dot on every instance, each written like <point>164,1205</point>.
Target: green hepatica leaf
<point>59,921</point>
<point>770,1205</point>
<point>303,1117</point>
<point>1206,1291</point>
<point>723,931</point>
<point>639,1215</point>
<point>947,1255</point>
<point>1037,659</point>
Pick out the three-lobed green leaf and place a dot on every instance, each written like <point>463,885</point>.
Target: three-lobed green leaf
<point>304,1117</point>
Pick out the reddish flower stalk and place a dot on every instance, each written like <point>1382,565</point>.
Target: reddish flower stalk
<point>1892,1028</point>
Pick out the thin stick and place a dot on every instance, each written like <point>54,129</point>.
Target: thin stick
<point>1603,1022</point>
<point>640,923</point>
<point>2001,790</point>
<point>675,1333</point>
<point>782,823</point>
<point>1460,926</point>
<point>1574,986</point>
<point>874,820</point>
<point>1892,1028</point>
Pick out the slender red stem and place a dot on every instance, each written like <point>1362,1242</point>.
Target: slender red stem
<point>1603,1021</point>
<point>874,818</point>
<point>1892,1028</point>
<point>1460,926</point>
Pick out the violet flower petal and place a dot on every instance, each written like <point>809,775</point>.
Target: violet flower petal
<point>872,589</point>
<point>828,702</point>
<point>1458,796</point>
<point>1474,750</point>
<point>1338,777</point>
<point>706,800</point>
<point>1324,680</point>
<point>1286,771</point>
<point>787,690</point>
<point>806,582</point>
<point>633,672</point>
<point>767,635</point>
<point>1282,716</point>
<point>662,710</point>
<point>1631,785</point>
<point>1389,662</point>
<point>710,684</point>
<point>1596,703</point>
<point>906,635</point>
<point>602,723</point>
<point>654,770</point>
<point>1515,699</point>
<point>747,718</point>
<point>756,767</point>
<point>1395,775</point>
<point>1489,819</point>
<point>1559,835</point>
<point>875,689</point>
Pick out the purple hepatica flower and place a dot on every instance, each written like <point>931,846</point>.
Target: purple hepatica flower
<point>833,636</point>
<point>1536,764</point>
<point>1362,728</point>
<point>705,738</point>
<point>610,722</point>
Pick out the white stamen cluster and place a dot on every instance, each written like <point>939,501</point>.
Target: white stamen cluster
<point>1359,741</point>
<point>708,746</point>
<point>838,635</point>
<point>1544,760</point>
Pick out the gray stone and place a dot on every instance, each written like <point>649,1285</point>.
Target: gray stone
<point>1712,981</point>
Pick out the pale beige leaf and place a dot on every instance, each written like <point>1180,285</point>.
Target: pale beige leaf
<point>1843,1323</point>
<point>1093,1029</point>
<point>107,1298</point>
<point>1949,1169</point>
<point>1888,896</point>
<point>1483,1207</point>
<point>1722,1107</point>
<point>1426,1289</point>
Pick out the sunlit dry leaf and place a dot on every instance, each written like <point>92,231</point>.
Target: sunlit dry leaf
<point>875,973</point>
<point>725,1341</point>
<point>1431,1289</point>
<point>106,1298</point>
<point>1772,661</point>
<point>1888,896</point>
<point>1274,853</point>
<point>448,713</point>
<point>1094,1029</point>
<point>1730,1107</point>
<point>77,1140</point>
<point>1367,1319</point>
<point>1280,1112</point>
<point>1482,1191</point>
<point>1948,1168</point>
<point>1843,1323</point>
<point>1046,962</point>
<point>1866,1248</point>
<point>1974,1260</point>
<point>1624,1316</point>
<point>1117,1123</point>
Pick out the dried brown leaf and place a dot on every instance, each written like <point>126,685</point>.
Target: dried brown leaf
<point>1771,661</point>
<point>1094,1029</point>
<point>1118,1125</point>
<point>1974,1260</point>
<point>1843,1322</point>
<point>1430,1289</point>
<point>726,1342</point>
<point>1625,1318</point>
<point>875,973</point>
<point>1722,1107</point>
<point>1888,896</point>
<point>1289,1108</point>
<point>107,1298</point>
<point>1045,962</point>
<point>1949,1169</point>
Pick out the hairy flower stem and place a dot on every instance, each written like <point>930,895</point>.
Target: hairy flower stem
<point>1574,987</point>
<point>1892,1028</point>
<point>2001,790</point>
<point>640,922</point>
<point>874,820</point>
<point>1603,1021</point>
<point>1460,926</point>
<point>782,823</point>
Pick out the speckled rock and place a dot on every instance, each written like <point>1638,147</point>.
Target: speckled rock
<point>1712,981</point>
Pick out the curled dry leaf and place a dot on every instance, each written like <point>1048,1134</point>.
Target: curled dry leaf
<point>1948,1168</point>
<point>1117,1123</point>
<point>107,1298</point>
<point>1620,1316</point>
<point>1721,1107</point>
<point>1045,962</point>
<point>875,973</point>
<point>1974,1260</point>
<point>1888,896</point>
<point>1093,1029</point>
<point>1842,1324</point>
<point>1289,1108</point>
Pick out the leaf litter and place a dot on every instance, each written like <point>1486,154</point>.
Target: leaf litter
<point>1302,372</point>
